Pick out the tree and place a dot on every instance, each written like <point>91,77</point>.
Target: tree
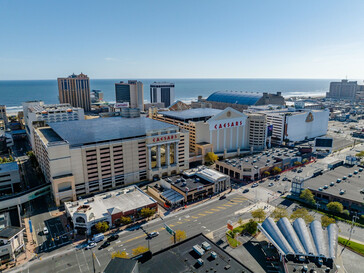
<point>119,254</point>
<point>211,156</point>
<point>125,220</point>
<point>308,196</point>
<point>180,236</point>
<point>346,212</point>
<point>240,221</point>
<point>279,213</point>
<point>360,154</point>
<point>302,213</point>
<point>305,160</point>
<point>251,227</point>
<point>147,212</point>
<point>326,220</point>
<point>297,163</point>
<point>266,173</point>
<point>335,207</point>
<point>139,250</point>
<point>276,170</point>
<point>102,227</point>
<point>259,214</point>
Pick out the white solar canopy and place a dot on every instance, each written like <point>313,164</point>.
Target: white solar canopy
<point>298,239</point>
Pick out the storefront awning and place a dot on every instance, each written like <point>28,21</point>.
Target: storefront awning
<point>172,196</point>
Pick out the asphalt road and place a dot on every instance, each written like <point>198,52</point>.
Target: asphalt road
<point>205,218</point>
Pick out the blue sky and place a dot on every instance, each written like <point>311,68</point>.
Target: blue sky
<point>181,39</point>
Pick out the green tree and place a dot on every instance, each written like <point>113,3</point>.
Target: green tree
<point>119,254</point>
<point>276,170</point>
<point>1,160</point>
<point>102,227</point>
<point>147,212</point>
<point>302,213</point>
<point>335,207</point>
<point>279,213</point>
<point>308,196</point>
<point>326,220</point>
<point>258,214</point>
<point>125,220</point>
<point>251,227</point>
<point>346,212</point>
<point>305,160</point>
<point>139,250</point>
<point>266,173</point>
<point>211,156</point>
<point>360,154</point>
<point>240,221</point>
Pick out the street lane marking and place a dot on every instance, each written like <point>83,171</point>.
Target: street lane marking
<point>171,225</point>
<point>215,209</point>
<point>208,211</point>
<point>221,208</point>
<point>194,217</point>
<point>187,220</point>
<point>201,214</point>
<point>179,222</point>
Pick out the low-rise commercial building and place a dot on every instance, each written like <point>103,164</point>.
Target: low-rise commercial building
<point>9,178</point>
<point>35,111</point>
<point>11,243</point>
<point>108,207</point>
<point>193,185</point>
<point>343,184</point>
<point>88,156</point>
<point>257,166</point>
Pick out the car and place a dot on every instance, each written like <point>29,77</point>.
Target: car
<point>113,237</point>
<point>362,191</point>
<point>91,245</point>
<point>45,231</point>
<point>332,184</point>
<point>284,179</point>
<point>64,237</point>
<point>270,184</point>
<point>338,180</point>
<point>255,185</point>
<point>344,178</point>
<point>246,190</point>
<point>326,186</point>
<point>350,175</point>
<point>280,192</point>
<point>278,176</point>
<point>222,197</point>
<point>294,170</point>
<point>105,244</point>
<point>320,189</point>
<point>360,169</point>
<point>299,171</point>
<point>355,172</point>
<point>153,234</point>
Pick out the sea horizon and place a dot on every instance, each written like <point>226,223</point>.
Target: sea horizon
<point>14,92</point>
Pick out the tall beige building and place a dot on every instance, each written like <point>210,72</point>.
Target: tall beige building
<point>75,90</point>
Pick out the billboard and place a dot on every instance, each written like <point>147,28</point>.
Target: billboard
<point>270,130</point>
<point>121,104</point>
<point>324,142</point>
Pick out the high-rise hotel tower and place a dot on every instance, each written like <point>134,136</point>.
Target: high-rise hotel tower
<point>75,90</point>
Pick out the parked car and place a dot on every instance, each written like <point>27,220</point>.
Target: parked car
<point>153,234</point>
<point>270,184</point>
<point>246,190</point>
<point>45,231</point>
<point>113,237</point>
<point>299,171</point>
<point>222,197</point>
<point>91,245</point>
<point>284,179</point>
<point>255,185</point>
<point>105,244</point>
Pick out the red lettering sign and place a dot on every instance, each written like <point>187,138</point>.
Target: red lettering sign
<point>228,124</point>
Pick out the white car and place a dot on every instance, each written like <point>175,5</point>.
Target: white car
<point>45,231</point>
<point>270,184</point>
<point>255,185</point>
<point>91,245</point>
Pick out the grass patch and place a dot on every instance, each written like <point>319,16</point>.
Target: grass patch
<point>232,242</point>
<point>356,247</point>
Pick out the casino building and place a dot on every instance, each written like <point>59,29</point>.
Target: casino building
<point>220,131</point>
<point>89,156</point>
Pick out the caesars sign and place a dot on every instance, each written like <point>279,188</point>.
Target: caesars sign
<point>227,124</point>
<point>164,138</point>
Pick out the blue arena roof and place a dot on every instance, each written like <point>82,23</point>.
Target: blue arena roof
<point>191,113</point>
<point>80,132</point>
<point>235,97</point>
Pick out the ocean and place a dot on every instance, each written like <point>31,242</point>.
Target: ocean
<point>13,93</point>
